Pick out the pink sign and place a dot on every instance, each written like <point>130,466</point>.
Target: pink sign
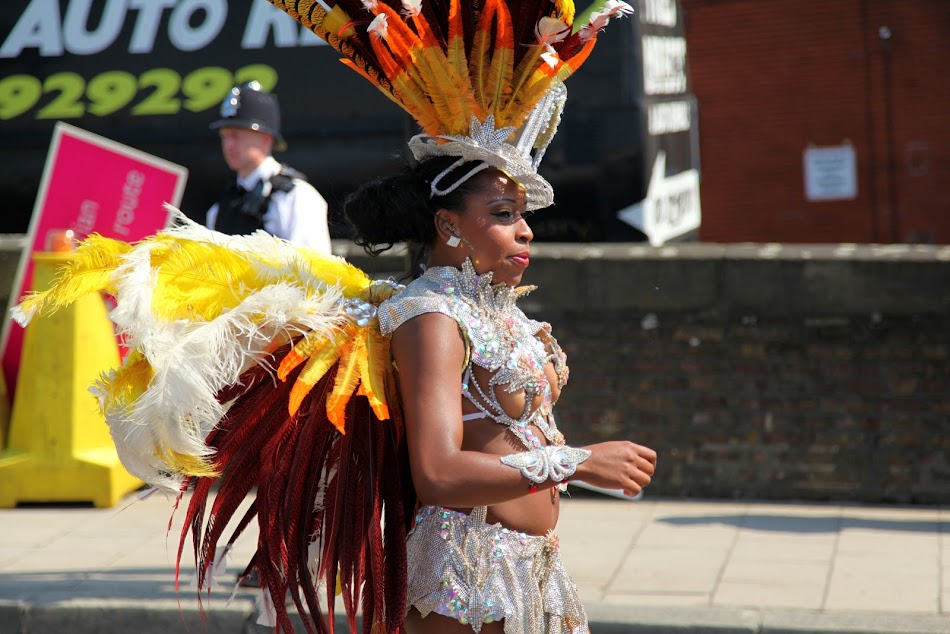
<point>90,185</point>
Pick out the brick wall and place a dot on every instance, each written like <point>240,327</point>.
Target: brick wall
<point>756,371</point>
<point>761,372</point>
<point>773,77</point>
<point>770,407</point>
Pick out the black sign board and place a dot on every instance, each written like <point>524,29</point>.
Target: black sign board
<point>630,122</point>
<point>152,73</point>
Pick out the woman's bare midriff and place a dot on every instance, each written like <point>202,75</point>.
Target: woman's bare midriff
<point>535,513</point>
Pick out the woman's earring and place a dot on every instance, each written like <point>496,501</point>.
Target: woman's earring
<point>453,241</point>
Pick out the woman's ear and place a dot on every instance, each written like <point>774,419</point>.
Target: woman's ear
<point>445,228</point>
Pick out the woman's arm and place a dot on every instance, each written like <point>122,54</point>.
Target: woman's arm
<point>429,353</point>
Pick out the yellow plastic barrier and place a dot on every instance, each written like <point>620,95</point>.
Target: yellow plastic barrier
<point>59,448</point>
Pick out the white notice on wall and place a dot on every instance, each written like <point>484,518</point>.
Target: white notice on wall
<point>830,173</point>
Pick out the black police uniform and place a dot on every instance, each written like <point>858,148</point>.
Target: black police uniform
<point>239,211</point>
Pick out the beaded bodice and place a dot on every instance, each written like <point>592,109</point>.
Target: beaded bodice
<point>501,339</point>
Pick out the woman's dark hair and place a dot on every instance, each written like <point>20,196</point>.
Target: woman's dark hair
<point>397,208</point>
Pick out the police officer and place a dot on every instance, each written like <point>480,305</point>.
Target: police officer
<point>265,194</point>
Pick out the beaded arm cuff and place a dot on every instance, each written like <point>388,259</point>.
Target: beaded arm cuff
<point>551,462</point>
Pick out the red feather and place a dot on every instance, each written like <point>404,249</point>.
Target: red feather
<point>312,483</point>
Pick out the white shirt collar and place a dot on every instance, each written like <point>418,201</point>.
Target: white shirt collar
<point>266,169</point>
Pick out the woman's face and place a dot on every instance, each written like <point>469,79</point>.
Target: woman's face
<point>493,229</point>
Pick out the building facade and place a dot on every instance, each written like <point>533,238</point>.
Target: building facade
<point>822,121</point>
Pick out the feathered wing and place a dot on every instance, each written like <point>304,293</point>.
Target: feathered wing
<point>89,270</point>
<point>256,364</point>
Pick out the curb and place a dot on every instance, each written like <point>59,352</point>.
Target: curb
<point>167,617</point>
<point>606,619</point>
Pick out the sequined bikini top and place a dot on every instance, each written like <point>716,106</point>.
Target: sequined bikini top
<point>499,337</point>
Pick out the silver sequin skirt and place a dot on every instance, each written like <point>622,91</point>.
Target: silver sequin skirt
<point>476,573</point>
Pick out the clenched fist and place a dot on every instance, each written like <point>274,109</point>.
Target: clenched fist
<point>618,464</point>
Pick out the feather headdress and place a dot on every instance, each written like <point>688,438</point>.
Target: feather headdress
<point>482,78</point>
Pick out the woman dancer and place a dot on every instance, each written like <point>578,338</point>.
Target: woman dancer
<point>257,365</point>
<point>478,382</point>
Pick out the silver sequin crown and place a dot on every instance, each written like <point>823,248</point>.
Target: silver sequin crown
<point>516,152</point>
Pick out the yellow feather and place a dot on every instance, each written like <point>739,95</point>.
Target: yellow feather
<point>89,269</point>
<point>122,386</point>
<point>500,78</point>
<point>417,105</point>
<point>400,58</point>
<point>200,281</point>
<point>374,365</point>
<point>519,107</point>
<point>301,350</point>
<point>478,64</point>
<point>447,81</point>
<point>455,49</point>
<point>445,90</point>
<point>459,68</point>
<point>500,74</point>
<point>526,68</point>
<point>316,367</point>
<point>565,10</point>
<point>337,272</point>
<point>336,22</point>
<point>412,93</point>
<point>188,465</point>
<point>347,379</point>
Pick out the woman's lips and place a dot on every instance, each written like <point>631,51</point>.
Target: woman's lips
<point>522,259</point>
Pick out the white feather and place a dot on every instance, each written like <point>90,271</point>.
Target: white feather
<point>193,360</point>
<point>411,7</point>
<point>379,27</point>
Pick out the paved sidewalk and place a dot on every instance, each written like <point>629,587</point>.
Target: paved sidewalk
<point>651,566</point>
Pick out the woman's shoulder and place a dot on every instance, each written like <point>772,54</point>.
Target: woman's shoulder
<point>423,295</point>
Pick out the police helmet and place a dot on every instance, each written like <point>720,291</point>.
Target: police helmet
<point>248,106</point>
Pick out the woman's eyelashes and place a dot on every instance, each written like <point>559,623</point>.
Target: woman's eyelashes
<point>510,216</point>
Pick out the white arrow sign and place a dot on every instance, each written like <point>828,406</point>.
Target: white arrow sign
<point>671,207</point>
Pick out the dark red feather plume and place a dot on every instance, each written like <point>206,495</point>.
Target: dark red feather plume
<point>351,494</point>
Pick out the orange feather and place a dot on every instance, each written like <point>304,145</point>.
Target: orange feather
<point>347,379</point>
<point>499,77</point>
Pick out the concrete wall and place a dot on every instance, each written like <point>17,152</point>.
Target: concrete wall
<point>756,371</point>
